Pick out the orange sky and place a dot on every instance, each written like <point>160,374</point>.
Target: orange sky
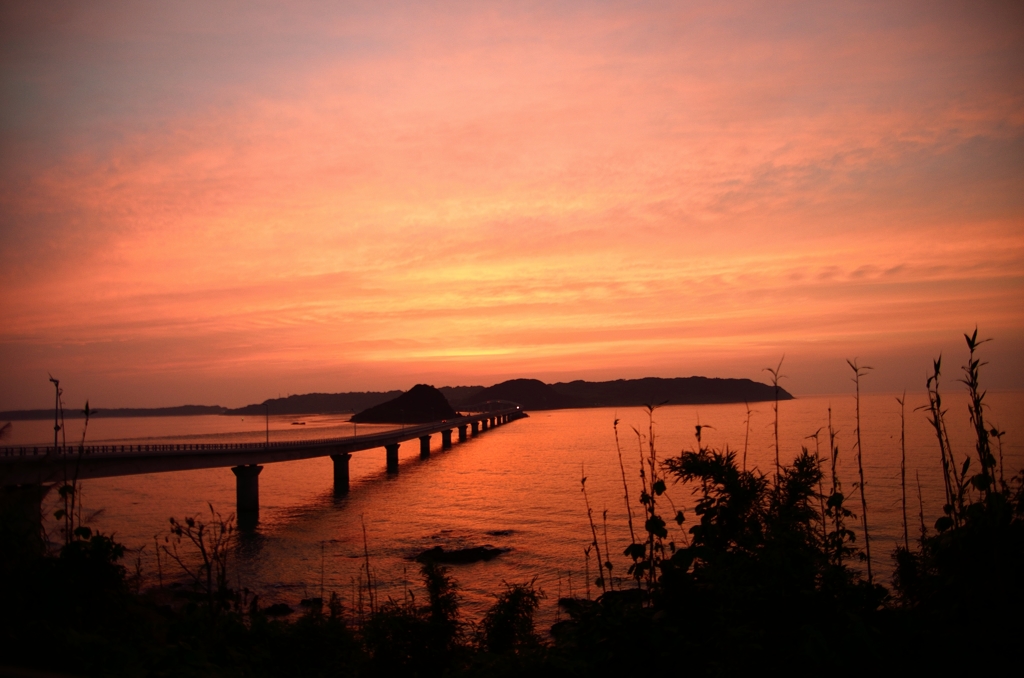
<point>224,202</point>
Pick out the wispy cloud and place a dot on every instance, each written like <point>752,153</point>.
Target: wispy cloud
<point>401,189</point>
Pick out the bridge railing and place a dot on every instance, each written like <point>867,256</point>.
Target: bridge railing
<point>67,450</point>
<point>168,447</point>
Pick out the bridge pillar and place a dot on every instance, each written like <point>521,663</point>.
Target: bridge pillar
<point>446,439</point>
<point>424,447</point>
<point>483,424</point>
<point>475,427</point>
<point>341,472</point>
<point>392,451</point>
<point>462,433</point>
<point>247,494</point>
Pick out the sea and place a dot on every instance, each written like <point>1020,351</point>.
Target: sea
<point>517,487</point>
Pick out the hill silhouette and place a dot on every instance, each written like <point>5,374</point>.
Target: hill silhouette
<point>419,405</point>
<point>678,391</point>
<point>531,394</point>
<point>317,403</point>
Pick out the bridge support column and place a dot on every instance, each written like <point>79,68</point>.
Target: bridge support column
<point>392,451</point>
<point>446,439</point>
<point>424,447</point>
<point>341,472</point>
<point>247,494</point>
<point>462,433</point>
<point>475,427</point>
<point>484,424</point>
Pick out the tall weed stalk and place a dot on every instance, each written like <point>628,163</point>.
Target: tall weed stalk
<point>858,372</point>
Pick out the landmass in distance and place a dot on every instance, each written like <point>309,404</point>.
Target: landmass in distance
<point>531,394</point>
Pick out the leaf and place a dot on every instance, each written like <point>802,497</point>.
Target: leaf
<point>656,526</point>
<point>680,518</point>
<point>635,551</point>
<point>943,523</point>
<point>59,513</point>
<point>659,487</point>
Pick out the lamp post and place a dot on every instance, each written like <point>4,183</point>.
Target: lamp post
<point>267,408</point>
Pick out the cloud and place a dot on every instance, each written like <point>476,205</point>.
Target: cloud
<point>219,187</point>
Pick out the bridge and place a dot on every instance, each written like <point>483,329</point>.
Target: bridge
<point>29,471</point>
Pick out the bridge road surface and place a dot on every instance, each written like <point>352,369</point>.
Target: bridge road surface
<point>40,466</point>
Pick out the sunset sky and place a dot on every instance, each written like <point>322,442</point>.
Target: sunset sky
<point>221,202</point>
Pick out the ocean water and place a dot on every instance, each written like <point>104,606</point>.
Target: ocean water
<point>517,487</point>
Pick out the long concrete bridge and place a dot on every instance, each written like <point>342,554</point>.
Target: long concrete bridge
<point>28,471</point>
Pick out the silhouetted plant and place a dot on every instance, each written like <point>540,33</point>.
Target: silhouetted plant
<point>508,626</point>
<point>211,542</point>
<point>647,556</point>
<point>998,435</point>
<point>442,608</point>
<point>776,376</point>
<point>821,490</point>
<point>746,434</point>
<point>903,467</point>
<point>602,564</point>
<point>632,551</point>
<point>858,372</point>
<point>985,479</point>
<point>69,491</point>
<point>952,481</point>
<point>838,539</point>
<point>970,571</point>
<point>402,637</point>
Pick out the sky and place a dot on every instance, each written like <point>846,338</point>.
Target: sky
<point>223,202</point>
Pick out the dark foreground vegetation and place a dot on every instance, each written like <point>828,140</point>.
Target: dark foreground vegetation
<point>767,577</point>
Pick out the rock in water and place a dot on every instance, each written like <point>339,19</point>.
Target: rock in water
<point>459,556</point>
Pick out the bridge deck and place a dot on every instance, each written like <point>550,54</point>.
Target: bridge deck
<point>36,465</point>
